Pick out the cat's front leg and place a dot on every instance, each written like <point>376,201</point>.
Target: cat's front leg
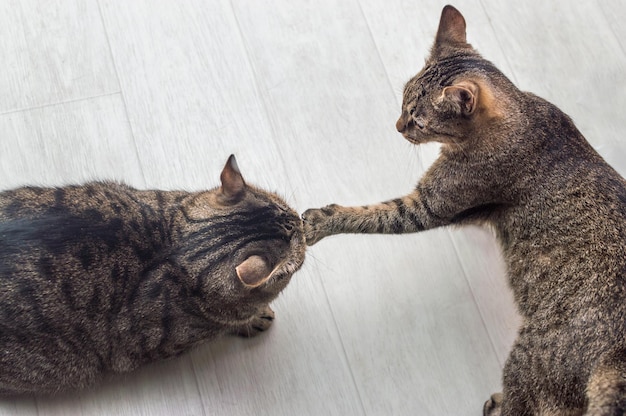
<point>402,215</point>
<point>259,323</point>
<point>319,223</point>
<point>448,193</point>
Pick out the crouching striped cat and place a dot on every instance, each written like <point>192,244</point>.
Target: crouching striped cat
<point>516,163</point>
<point>103,278</point>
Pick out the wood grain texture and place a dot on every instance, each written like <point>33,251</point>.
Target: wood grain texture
<point>158,93</point>
<point>190,92</point>
<point>68,143</point>
<point>52,51</point>
<point>609,139</point>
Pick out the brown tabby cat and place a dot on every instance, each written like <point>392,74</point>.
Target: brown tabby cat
<point>514,162</point>
<point>103,278</point>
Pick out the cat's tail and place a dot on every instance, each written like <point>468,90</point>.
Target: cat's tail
<point>606,389</point>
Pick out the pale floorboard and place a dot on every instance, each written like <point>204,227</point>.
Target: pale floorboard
<point>306,94</point>
<point>69,143</point>
<point>52,51</point>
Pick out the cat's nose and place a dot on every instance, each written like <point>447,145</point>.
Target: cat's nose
<point>400,125</point>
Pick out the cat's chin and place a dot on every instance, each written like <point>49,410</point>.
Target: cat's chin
<point>413,139</point>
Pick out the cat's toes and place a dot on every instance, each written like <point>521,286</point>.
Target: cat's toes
<point>258,324</point>
<point>493,406</point>
<point>316,223</point>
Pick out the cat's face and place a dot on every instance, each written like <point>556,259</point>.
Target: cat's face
<point>451,97</point>
<point>248,237</point>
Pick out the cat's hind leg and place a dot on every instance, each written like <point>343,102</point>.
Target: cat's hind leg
<point>606,389</point>
<point>259,323</point>
<point>493,406</point>
<point>516,398</point>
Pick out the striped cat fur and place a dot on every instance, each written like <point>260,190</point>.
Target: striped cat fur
<point>102,277</point>
<point>515,163</point>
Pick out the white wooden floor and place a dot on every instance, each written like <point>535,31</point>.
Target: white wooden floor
<point>158,93</point>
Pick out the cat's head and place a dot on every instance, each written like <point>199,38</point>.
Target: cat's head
<point>455,95</point>
<point>245,242</point>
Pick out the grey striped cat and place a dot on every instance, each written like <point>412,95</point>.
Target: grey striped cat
<point>103,278</point>
<point>515,163</point>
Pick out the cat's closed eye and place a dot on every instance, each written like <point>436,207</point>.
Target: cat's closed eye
<point>418,118</point>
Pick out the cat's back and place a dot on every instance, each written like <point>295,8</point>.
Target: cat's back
<point>562,182</point>
<point>69,258</point>
<point>33,201</point>
<point>84,222</point>
<point>570,219</point>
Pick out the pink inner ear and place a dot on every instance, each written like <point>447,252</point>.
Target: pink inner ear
<point>253,271</point>
<point>463,96</point>
<point>233,184</point>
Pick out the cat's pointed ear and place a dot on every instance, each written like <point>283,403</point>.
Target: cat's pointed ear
<point>233,186</point>
<point>460,98</point>
<point>451,27</point>
<point>253,271</point>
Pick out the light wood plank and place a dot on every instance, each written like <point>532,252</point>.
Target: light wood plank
<point>610,141</point>
<point>68,143</point>
<point>410,326</point>
<point>327,100</point>
<point>52,51</point>
<point>190,93</point>
<point>22,406</point>
<point>485,272</point>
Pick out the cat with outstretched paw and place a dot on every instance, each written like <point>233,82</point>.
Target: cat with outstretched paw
<point>515,163</point>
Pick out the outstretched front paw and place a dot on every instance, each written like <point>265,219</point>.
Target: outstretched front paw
<point>493,406</point>
<point>317,223</point>
<point>261,322</point>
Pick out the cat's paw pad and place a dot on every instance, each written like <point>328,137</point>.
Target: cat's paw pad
<point>493,406</point>
<point>258,324</point>
<point>316,223</point>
